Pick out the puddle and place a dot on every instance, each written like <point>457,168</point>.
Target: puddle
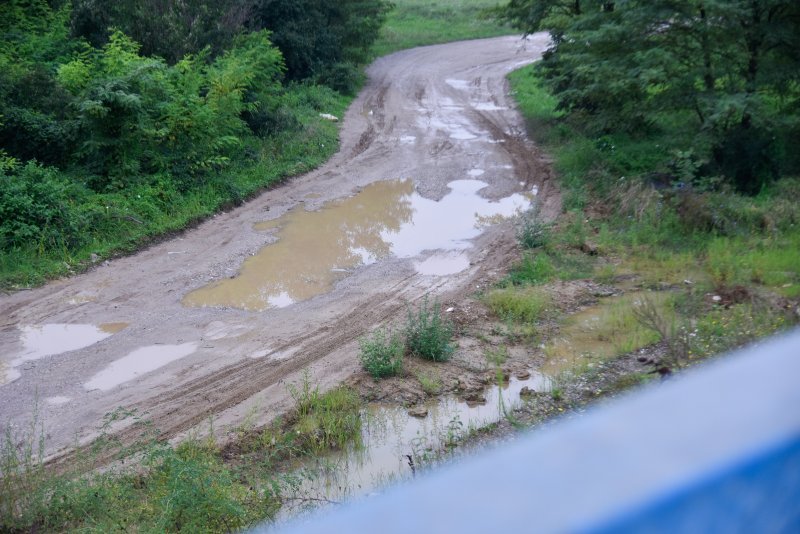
<point>216,330</point>
<point>389,434</point>
<point>316,249</point>
<point>488,106</point>
<point>597,333</point>
<point>137,363</point>
<point>40,341</point>
<point>462,85</point>
<point>274,355</point>
<point>442,264</point>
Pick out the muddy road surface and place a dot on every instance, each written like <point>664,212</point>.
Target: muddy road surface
<point>216,322</point>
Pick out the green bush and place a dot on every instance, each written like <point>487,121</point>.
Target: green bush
<point>533,232</point>
<point>428,334</point>
<point>39,207</point>
<point>382,353</point>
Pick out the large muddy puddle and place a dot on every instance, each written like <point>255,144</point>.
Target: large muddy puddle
<point>395,444</point>
<point>315,249</point>
<point>40,341</point>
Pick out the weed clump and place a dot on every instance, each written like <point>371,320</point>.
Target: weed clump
<point>428,334</point>
<point>325,421</point>
<point>533,232</point>
<point>382,353</point>
<point>525,304</point>
<point>431,383</point>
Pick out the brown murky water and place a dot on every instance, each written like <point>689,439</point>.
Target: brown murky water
<point>40,341</point>
<point>389,435</point>
<point>316,249</point>
<point>600,332</point>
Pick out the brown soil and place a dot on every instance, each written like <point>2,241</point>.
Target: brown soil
<point>431,115</point>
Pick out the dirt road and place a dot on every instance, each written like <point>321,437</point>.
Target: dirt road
<point>156,340</point>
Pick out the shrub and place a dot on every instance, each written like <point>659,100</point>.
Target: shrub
<point>38,206</point>
<point>428,335</point>
<point>382,353</point>
<point>533,232</point>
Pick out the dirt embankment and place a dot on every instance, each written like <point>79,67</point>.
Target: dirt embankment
<point>430,116</point>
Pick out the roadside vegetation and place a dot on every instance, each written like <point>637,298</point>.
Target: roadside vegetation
<point>124,121</point>
<point>681,196</point>
<point>195,486</point>
<point>426,334</point>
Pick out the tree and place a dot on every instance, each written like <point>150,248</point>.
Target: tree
<point>732,63</point>
<point>322,40</point>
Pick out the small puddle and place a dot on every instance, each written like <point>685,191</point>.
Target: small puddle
<point>137,363</point>
<point>315,249</point>
<point>443,264</point>
<point>600,332</point>
<point>40,341</point>
<point>389,434</point>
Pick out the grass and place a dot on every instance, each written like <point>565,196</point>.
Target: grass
<point>431,383</point>
<point>194,487</point>
<point>187,488</point>
<point>620,324</point>
<point>382,353</point>
<point>324,421</point>
<point>526,304</point>
<point>417,23</point>
<point>616,228</point>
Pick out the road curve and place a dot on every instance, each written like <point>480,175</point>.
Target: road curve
<point>431,115</point>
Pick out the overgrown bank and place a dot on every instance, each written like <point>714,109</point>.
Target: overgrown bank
<point>125,121</point>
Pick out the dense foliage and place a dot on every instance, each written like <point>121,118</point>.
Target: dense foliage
<point>114,115</point>
<point>727,68</point>
<point>322,41</point>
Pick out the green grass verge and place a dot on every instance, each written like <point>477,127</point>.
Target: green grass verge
<point>697,242</point>
<point>417,23</point>
<point>194,487</point>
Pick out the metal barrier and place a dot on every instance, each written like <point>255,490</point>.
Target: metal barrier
<point>714,450</point>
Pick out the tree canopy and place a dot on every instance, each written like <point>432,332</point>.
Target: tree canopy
<point>733,64</point>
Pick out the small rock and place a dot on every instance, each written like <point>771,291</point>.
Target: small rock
<point>603,292</point>
<point>589,248</point>
<point>642,359</point>
<point>450,309</point>
<point>418,411</point>
<point>464,383</point>
<point>716,298</point>
<point>526,392</point>
<point>476,397</point>
<point>329,117</point>
<point>94,258</point>
<point>523,375</point>
<point>688,282</point>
